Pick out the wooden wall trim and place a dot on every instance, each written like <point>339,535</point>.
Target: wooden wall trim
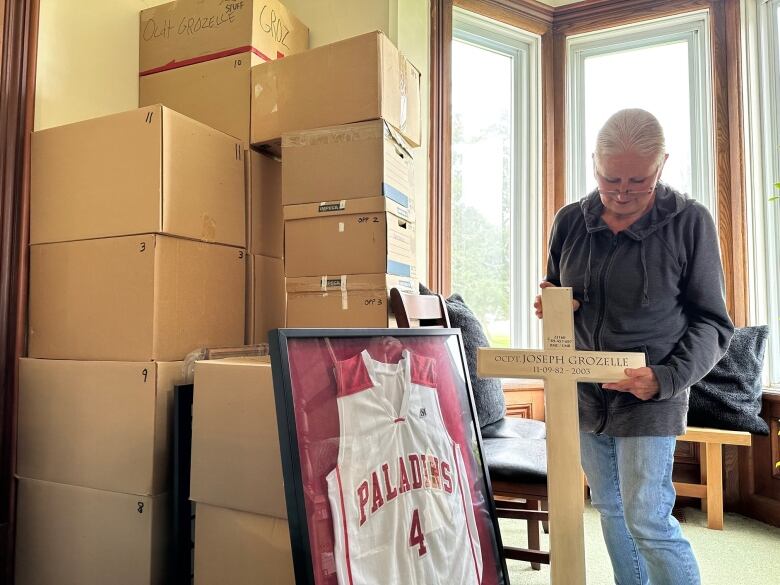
<point>2,23</point>
<point>729,181</point>
<point>439,179</point>
<point>598,14</point>
<point>17,84</point>
<point>529,15</point>
<point>558,198</point>
<point>737,202</point>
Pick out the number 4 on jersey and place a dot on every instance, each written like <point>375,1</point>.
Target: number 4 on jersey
<point>416,536</point>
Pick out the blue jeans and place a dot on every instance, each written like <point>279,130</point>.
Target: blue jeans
<point>644,540</point>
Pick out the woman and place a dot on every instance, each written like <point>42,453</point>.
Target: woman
<point>644,266</point>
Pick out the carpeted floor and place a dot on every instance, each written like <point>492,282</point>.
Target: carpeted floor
<point>745,553</point>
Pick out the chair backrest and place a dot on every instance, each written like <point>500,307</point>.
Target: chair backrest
<point>409,307</point>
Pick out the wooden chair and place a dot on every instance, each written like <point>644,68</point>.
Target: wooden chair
<point>710,490</point>
<point>515,449</point>
<point>420,310</point>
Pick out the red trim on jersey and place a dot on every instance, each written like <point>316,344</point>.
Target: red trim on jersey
<point>400,419</point>
<point>465,511</point>
<point>344,524</point>
<point>423,370</point>
<point>352,376</point>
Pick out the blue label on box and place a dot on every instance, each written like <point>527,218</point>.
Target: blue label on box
<point>399,268</point>
<point>395,195</point>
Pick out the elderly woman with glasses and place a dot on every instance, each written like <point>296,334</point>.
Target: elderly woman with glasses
<point>643,262</point>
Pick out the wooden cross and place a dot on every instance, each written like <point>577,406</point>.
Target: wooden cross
<point>561,366</point>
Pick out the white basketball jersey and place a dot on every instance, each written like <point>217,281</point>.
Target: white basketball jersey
<point>400,498</point>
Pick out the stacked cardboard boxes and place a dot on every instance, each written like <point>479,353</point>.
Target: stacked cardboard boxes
<point>196,57</point>
<point>137,258</point>
<point>241,533</point>
<point>348,115</point>
<point>266,300</point>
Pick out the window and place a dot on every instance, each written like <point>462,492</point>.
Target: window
<point>762,156</point>
<point>496,175</point>
<point>662,66</point>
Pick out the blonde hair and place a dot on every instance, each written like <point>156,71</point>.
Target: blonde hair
<point>632,129</point>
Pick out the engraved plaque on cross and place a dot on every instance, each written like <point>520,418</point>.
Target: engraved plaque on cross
<point>561,366</point>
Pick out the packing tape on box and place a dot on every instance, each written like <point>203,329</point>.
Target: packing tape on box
<point>370,130</point>
<point>340,282</point>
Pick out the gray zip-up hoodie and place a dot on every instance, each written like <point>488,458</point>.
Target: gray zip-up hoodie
<point>656,287</point>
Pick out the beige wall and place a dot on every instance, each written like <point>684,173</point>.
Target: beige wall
<point>87,59</point>
<point>333,20</point>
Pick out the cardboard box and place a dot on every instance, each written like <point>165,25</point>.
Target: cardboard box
<point>266,307</point>
<point>237,548</point>
<point>102,425</point>
<point>216,92</point>
<point>236,461</point>
<point>353,236</point>
<point>184,32</point>
<point>358,79</point>
<point>360,300</point>
<point>69,535</point>
<point>265,230</point>
<point>150,170</point>
<point>135,298</point>
<point>352,161</point>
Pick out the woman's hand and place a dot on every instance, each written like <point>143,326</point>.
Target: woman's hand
<point>538,301</point>
<point>641,382</point>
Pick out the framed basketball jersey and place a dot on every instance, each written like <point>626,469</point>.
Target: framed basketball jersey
<point>384,477</point>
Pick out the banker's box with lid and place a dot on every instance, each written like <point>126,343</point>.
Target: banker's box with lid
<point>353,236</point>
<point>355,300</point>
<point>351,161</point>
<point>354,80</point>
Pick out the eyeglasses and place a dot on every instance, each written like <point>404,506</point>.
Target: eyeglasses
<point>627,192</point>
<point>646,186</point>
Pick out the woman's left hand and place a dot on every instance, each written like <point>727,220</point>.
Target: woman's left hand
<point>641,382</point>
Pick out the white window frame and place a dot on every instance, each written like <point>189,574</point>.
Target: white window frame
<point>761,92</point>
<point>693,27</point>
<point>526,172</point>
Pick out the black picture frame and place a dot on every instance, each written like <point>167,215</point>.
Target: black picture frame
<point>279,342</point>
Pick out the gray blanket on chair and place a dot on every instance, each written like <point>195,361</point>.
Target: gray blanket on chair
<point>488,393</point>
<point>729,397</point>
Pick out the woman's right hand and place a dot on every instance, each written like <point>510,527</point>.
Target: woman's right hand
<point>538,301</point>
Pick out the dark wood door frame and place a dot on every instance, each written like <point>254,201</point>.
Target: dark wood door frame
<point>17,85</point>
